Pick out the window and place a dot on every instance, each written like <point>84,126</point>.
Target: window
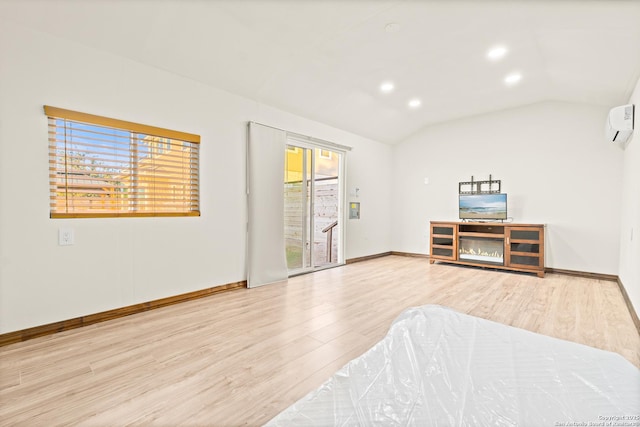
<point>324,154</point>
<point>102,167</point>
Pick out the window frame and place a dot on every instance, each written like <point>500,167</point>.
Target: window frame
<point>193,140</point>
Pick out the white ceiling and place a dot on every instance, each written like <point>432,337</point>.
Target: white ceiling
<point>325,59</point>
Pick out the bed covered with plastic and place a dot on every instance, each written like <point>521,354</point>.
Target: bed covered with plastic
<point>438,367</point>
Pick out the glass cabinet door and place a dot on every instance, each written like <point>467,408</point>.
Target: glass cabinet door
<point>524,246</point>
<point>443,241</point>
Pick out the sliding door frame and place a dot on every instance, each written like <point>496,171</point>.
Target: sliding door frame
<point>266,261</point>
<point>314,144</point>
<point>308,193</point>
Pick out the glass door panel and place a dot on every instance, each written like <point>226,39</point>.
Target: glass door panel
<point>326,207</point>
<point>312,208</point>
<point>295,208</point>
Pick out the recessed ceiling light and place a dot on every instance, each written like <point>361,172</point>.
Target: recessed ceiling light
<point>496,53</point>
<point>392,27</point>
<point>513,78</point>
<point>386,87</point>
<point>415,103</point>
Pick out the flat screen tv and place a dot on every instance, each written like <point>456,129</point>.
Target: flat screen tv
<point>483,206</point>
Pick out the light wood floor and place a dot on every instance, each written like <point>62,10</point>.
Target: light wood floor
<point>239,358</point>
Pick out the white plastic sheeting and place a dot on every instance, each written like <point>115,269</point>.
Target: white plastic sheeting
<point>438,367</point>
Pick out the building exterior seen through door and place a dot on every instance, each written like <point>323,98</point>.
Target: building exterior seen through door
<point>313,208</point>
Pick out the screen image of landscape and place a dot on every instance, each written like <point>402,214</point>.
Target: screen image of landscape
<point>483,206</point>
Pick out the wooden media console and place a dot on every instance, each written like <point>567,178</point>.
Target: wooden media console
<point>506,246</point>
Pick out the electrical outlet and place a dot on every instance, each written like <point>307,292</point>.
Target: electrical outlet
<point>65,237</point>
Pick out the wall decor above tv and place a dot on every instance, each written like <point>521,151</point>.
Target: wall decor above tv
<point>479,187</point>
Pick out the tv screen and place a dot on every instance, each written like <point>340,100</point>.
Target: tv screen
<point>483,206</point>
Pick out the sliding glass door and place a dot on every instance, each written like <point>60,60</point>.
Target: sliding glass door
<point>297,176</point>
<point>313,203</point>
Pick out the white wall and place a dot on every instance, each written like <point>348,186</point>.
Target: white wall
<point>553,163</point>
<point>118,262</point>
<point>630,218</point>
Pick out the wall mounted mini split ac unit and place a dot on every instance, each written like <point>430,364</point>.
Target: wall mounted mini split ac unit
<point>619,124</point>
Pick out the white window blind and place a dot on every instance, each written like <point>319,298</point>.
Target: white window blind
<point>102,167</point>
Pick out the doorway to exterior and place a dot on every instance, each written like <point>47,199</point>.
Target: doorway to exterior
<point>312,207</point>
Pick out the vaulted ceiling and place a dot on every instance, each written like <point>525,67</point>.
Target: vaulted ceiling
<point>326,59</point>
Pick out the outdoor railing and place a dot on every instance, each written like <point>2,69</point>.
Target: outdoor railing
<point>329,230</point>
